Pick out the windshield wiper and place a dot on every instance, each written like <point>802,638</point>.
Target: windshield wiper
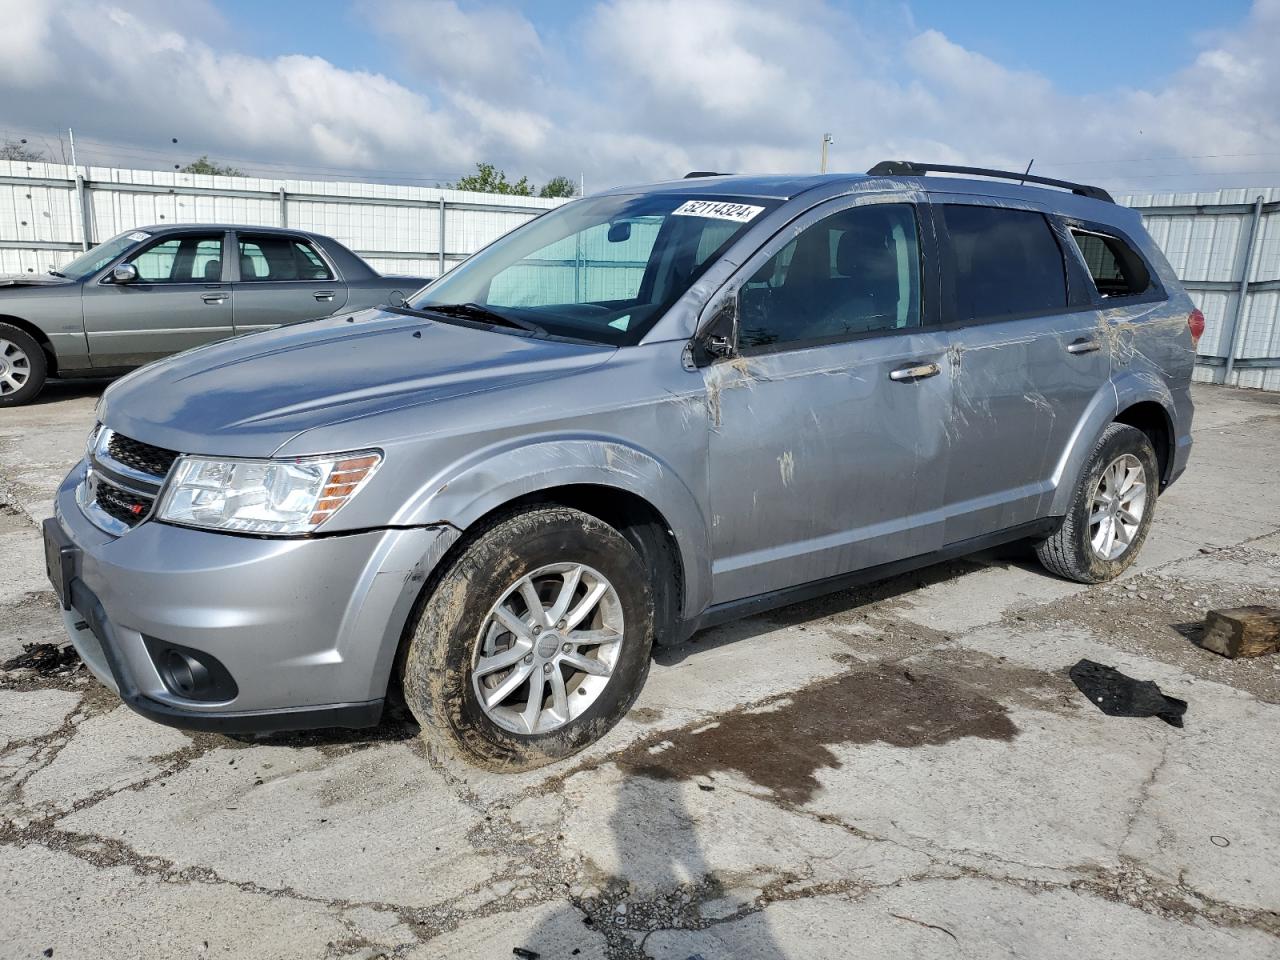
<point>473,311</point>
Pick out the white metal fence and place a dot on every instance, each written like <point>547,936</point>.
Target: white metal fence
<point>49,212</point>
<point>1224,245</point>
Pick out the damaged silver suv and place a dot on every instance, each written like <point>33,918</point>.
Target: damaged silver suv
<point>643,413</point>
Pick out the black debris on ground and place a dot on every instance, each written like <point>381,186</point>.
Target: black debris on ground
<point>524,954</point>
<point>45,658</point>
<point>1118,695</point>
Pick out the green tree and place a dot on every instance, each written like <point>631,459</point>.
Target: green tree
<point>205,165</point>
<point>489,179</point>
<point>559,187</point>
<point>18,150</point>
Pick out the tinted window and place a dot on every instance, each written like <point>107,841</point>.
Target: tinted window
<point>857,271</point>
<point>192,259</point>
<point>1007,263</point>
<point>1116,269</point>
<point>270,257</point>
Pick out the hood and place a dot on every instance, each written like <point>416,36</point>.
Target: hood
<point>248,396</point>
<point>32,280</point>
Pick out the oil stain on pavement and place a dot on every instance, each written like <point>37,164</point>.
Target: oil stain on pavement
<point>782,744</point>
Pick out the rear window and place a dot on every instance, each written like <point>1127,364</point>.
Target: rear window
<point>1007,263</point>
<point>1115,267</point>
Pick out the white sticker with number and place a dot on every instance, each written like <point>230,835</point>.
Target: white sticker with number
<point>718,210</point>
<point>139,236</point>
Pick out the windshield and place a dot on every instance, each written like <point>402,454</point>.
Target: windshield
<point>603,269</point>
<point>92,261</point>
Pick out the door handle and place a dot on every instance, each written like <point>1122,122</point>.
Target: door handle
<point>1083,346</point>
<point>917,372</point>
<point>324,296</point>
<point>213,297</point>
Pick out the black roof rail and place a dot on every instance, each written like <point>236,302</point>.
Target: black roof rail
<point>705,173</point>
<point>909,168</point>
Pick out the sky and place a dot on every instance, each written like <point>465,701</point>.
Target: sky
<point>1137,96</point>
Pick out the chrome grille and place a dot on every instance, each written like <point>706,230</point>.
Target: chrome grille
<point>123,481</point>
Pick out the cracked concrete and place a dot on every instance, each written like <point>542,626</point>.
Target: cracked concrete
<point>902,770</point>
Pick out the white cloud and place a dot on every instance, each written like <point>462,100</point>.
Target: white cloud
<point>630,90</point>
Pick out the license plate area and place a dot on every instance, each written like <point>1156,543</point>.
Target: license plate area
<point>61,560</point>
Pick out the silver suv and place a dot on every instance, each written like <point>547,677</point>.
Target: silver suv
<point>649,411</point>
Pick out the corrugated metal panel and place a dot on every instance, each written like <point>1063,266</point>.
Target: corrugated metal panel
<point>396,228</point>
<point>1207,243</point>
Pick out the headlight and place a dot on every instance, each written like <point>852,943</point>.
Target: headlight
<point>264,496</point>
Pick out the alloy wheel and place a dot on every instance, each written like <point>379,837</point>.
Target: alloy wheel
<point>1117,508</point>
<point>547,648</point>
<point>15,368</point>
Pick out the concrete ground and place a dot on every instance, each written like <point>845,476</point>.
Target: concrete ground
<point>899,771</point>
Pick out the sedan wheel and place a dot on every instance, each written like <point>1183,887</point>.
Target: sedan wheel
<point>15,368</point>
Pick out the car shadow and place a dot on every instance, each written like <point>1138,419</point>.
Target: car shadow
<point>1020,555</point>
<point>56,391</point>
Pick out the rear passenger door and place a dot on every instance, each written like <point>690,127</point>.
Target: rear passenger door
<point>281,279</point>
<point>1028,359</point>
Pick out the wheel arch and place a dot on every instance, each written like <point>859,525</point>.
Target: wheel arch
<point>40,337</point>
<point>1154,420</point>
<point>622,485</point>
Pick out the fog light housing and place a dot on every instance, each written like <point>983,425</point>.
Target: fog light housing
<point>191,674</point>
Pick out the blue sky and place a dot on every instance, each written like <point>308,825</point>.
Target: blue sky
<point>622,90</point>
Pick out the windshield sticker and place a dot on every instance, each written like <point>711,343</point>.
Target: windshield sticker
<point>717,210</point>
<point>139,236</point>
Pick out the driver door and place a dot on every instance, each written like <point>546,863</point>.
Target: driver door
<point>829,442</point>
<point>179,301</point>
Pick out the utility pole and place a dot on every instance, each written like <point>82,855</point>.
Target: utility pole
<point>826,142</point>
<point>80,198</point>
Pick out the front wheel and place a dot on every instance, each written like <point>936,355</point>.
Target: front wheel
<point>534,643</point>
<point>1111,512</point>
<point>22,366</point>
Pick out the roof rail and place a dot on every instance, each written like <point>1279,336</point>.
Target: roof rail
<point>908,168</point>
<point>705,173</point>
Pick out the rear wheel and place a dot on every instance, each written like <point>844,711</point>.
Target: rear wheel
<point>534,643</point>
<point>1111,512</point>
<point>22,366</point>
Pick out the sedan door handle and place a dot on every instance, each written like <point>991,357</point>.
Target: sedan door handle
<point>916,372</point>
<point>324,296</point>
<point>213,297</point>
<point>1083,346</point>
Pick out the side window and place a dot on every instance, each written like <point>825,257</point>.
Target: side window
<point>271,257</point>
<point>1116,269</point>
<point>193,259</point>
<point>1007,263</point>
<point>855,272</point>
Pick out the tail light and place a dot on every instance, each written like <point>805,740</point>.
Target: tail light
<point>1195,322</point>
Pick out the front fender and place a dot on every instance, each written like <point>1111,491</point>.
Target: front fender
<point>462,494</point>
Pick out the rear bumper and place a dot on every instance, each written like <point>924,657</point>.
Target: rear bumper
<point>307,628</point>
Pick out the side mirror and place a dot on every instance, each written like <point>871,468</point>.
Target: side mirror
<point>715,341</point>
<point>124,273</point>
<point>620,231</point>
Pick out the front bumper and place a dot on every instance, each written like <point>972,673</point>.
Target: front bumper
<point>308,628</point>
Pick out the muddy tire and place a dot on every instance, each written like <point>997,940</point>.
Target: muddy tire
<point>23,366</point>
<point>1111,510</point>
<point>533,643</point>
